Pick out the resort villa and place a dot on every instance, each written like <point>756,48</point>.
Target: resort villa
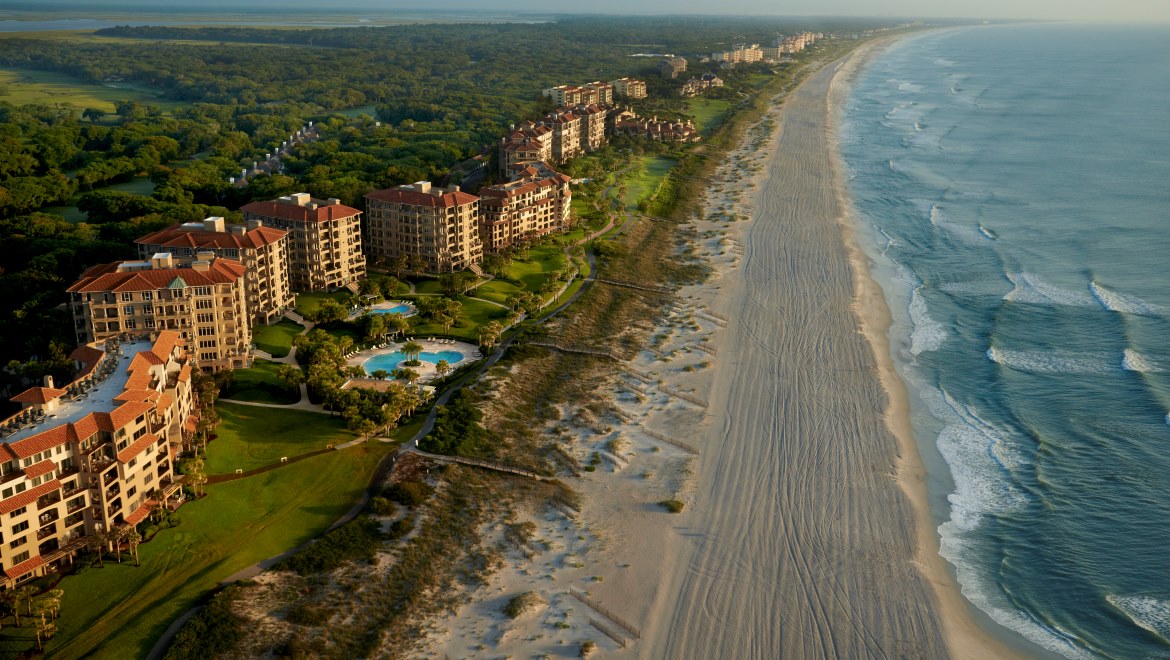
<point>262,250</point>
<point>204,303</point>
<point>94,455</point>
<point>324,239</point>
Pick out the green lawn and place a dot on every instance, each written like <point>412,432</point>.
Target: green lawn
<point>474,314</point>
<point>707,113</point>
<point>251,437</point>
<point>644,180</point>
<point>496,291</point>
<point>307,303</point>
<point>261,384</point>
<point>276,340</point>
<point>534,270</point>
<point>51,88</point>
<point>119,611</point>
<point>427,285</point>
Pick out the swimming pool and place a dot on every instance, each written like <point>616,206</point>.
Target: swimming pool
<point>397,309</point>
<point>390,361</point>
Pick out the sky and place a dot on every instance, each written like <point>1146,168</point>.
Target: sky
<point>1133,11</point>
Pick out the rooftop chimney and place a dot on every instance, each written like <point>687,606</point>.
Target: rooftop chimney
<point>162,260</point>
<point>201,266</point>
<point>300,199</point>
<point>332,201</point>
<point>422,186</point>
<point>214,223</point>
<point>253,224</point>
<point>205,255</point>
<point>238,230</point>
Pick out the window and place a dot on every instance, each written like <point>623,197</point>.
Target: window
<point>16,543</point>
<point>127,296</point>
<point>150,323</point>
<point>16,559</point>
<point>205,318</point>
<point>207,343</point>
<point>148,478</point>
<point>19,512</point>
<point>132,463</point>
<point>147,295</point>
<point>203,291</point>
<point>19,527</point>
<point>130,493</point>
<point>128,310</point>
<point>130,325</point>
<point>203,303</point>
<point>7,493</point>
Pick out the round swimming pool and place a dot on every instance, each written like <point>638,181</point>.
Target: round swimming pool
<point>391,361</point>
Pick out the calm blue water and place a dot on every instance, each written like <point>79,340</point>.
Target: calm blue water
<point>397,309</point>
<point>1013,190</point>
<point>390,361</point>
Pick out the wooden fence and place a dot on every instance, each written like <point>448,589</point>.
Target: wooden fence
<point>606,612</point>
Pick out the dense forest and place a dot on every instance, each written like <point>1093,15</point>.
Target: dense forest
<point>439,94</point>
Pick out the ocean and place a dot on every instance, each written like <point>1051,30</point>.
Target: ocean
<point>1012,190</point>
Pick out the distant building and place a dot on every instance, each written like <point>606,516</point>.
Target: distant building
<point>262,250</point>
<point>670,67</point>
<point>325,240</point>
<point>655,129</point>
<point>590,93</point>
<point>629,88</point>
<point>557,137</point>
<point>747,54</point>
<point>94,455</point>
<point>696,86</point>
<point>438,226</point>
<point>203,302</point>
<point>536,202</point>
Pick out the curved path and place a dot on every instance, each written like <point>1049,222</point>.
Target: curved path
<point>805,542</point>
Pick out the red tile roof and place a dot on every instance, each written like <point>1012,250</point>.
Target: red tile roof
<point>413,197</point>
<point>34,444</point>
<point>37,469</point>
<point>300,213</point>
<point>26,566</point>
<point>37,395</point>
<point>185,373</point>
<point>29,496</point>
<point>176,236</point>
<point>136,448</point>
<point>86,353</point>
<point>125,413</point>
<point>139,514</point>
<point>106,277</point>
<point>165,344</point>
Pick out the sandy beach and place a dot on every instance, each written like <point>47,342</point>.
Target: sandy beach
<point>768,405</point>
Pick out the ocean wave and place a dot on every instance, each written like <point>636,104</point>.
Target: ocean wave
<point>1150,614</point>
<point>1121,302</point>
<point>1052,362</point>
<point>1030,288</point>
<point>1131,360</point>
<point>974,288</point>
<point>927,334</point>
<point>982,462</point>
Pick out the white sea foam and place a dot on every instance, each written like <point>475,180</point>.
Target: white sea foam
<point>1030,288</point>
<point>987,232</point>
<point>1052,362</point>
<point>1131,360</point>
<point>1149,613</point>
<point>982,460</point>
<point>1115,301</point>
<point>927,334</point>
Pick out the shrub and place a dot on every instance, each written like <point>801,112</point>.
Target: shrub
<point>409,493</point>
<point>401,528</point>
<point>356,540</point>
<point>307,614</point>
<point>380,506</point>
<point>214,630</point>
<point>522,604</point>
<point>673,506</point>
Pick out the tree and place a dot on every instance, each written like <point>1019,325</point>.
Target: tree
<point>290,375</point>
<point>446,321</point>
<point>196,475</point>
<point>93,114</point>
<point>401,262</point>
<point>411,350</point>
<point>381,374</point>
<point>25,594</point>
<point>418,263</point>
<point>133,538</point>
<point>489,335</point>
<point>98,541</point>
<point>442,368</point>
<point>409,375</point>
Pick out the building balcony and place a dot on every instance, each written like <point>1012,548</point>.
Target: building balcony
<point>47,531</point>
<point>109,477</point>
<point>48,517</point>
<point>113,492</point>
<point>75,505</point>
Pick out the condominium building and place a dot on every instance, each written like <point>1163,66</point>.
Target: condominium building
<point>591,133</point>
<point>531,141</point>
<point>204,302</point>
<point>629,88</point>
<point>536,202</point>
<point>438,226</point>
<point>556,138</point>
<point>696,86</point>
<point>670,67</point>
<point>665,130</point>
<point>94,455</point>
<point>590,93</point>
<point>566,142</point>
<point>262,250</point>
<point>325,240</point>
<point>747,54</point>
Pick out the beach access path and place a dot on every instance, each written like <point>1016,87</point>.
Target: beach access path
<point>800,543</point>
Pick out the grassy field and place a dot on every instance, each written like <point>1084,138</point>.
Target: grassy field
<point>707,113</point>
<point>261,384</point>
<point>307,303</point>
<point>427,285</point>
<point>474,314</point>
<point>643,181</point>
<point>237,524</point>
<point>276,339</point>
<point>251,437</point>
<point>51,88</point>
<point>496,291</point>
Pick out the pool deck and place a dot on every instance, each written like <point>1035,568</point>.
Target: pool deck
<point>426,370</point>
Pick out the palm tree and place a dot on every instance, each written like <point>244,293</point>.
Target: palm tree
<point>26,594</point>
<point>98,541</point>
<point>410,375</point>
<point>381,374</point>
<point>411,350</point>
<point>442,367</point>
<point>134,538</point>
<point>446,321</point>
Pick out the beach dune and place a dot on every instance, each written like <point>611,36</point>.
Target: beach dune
<point>801,541</point>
